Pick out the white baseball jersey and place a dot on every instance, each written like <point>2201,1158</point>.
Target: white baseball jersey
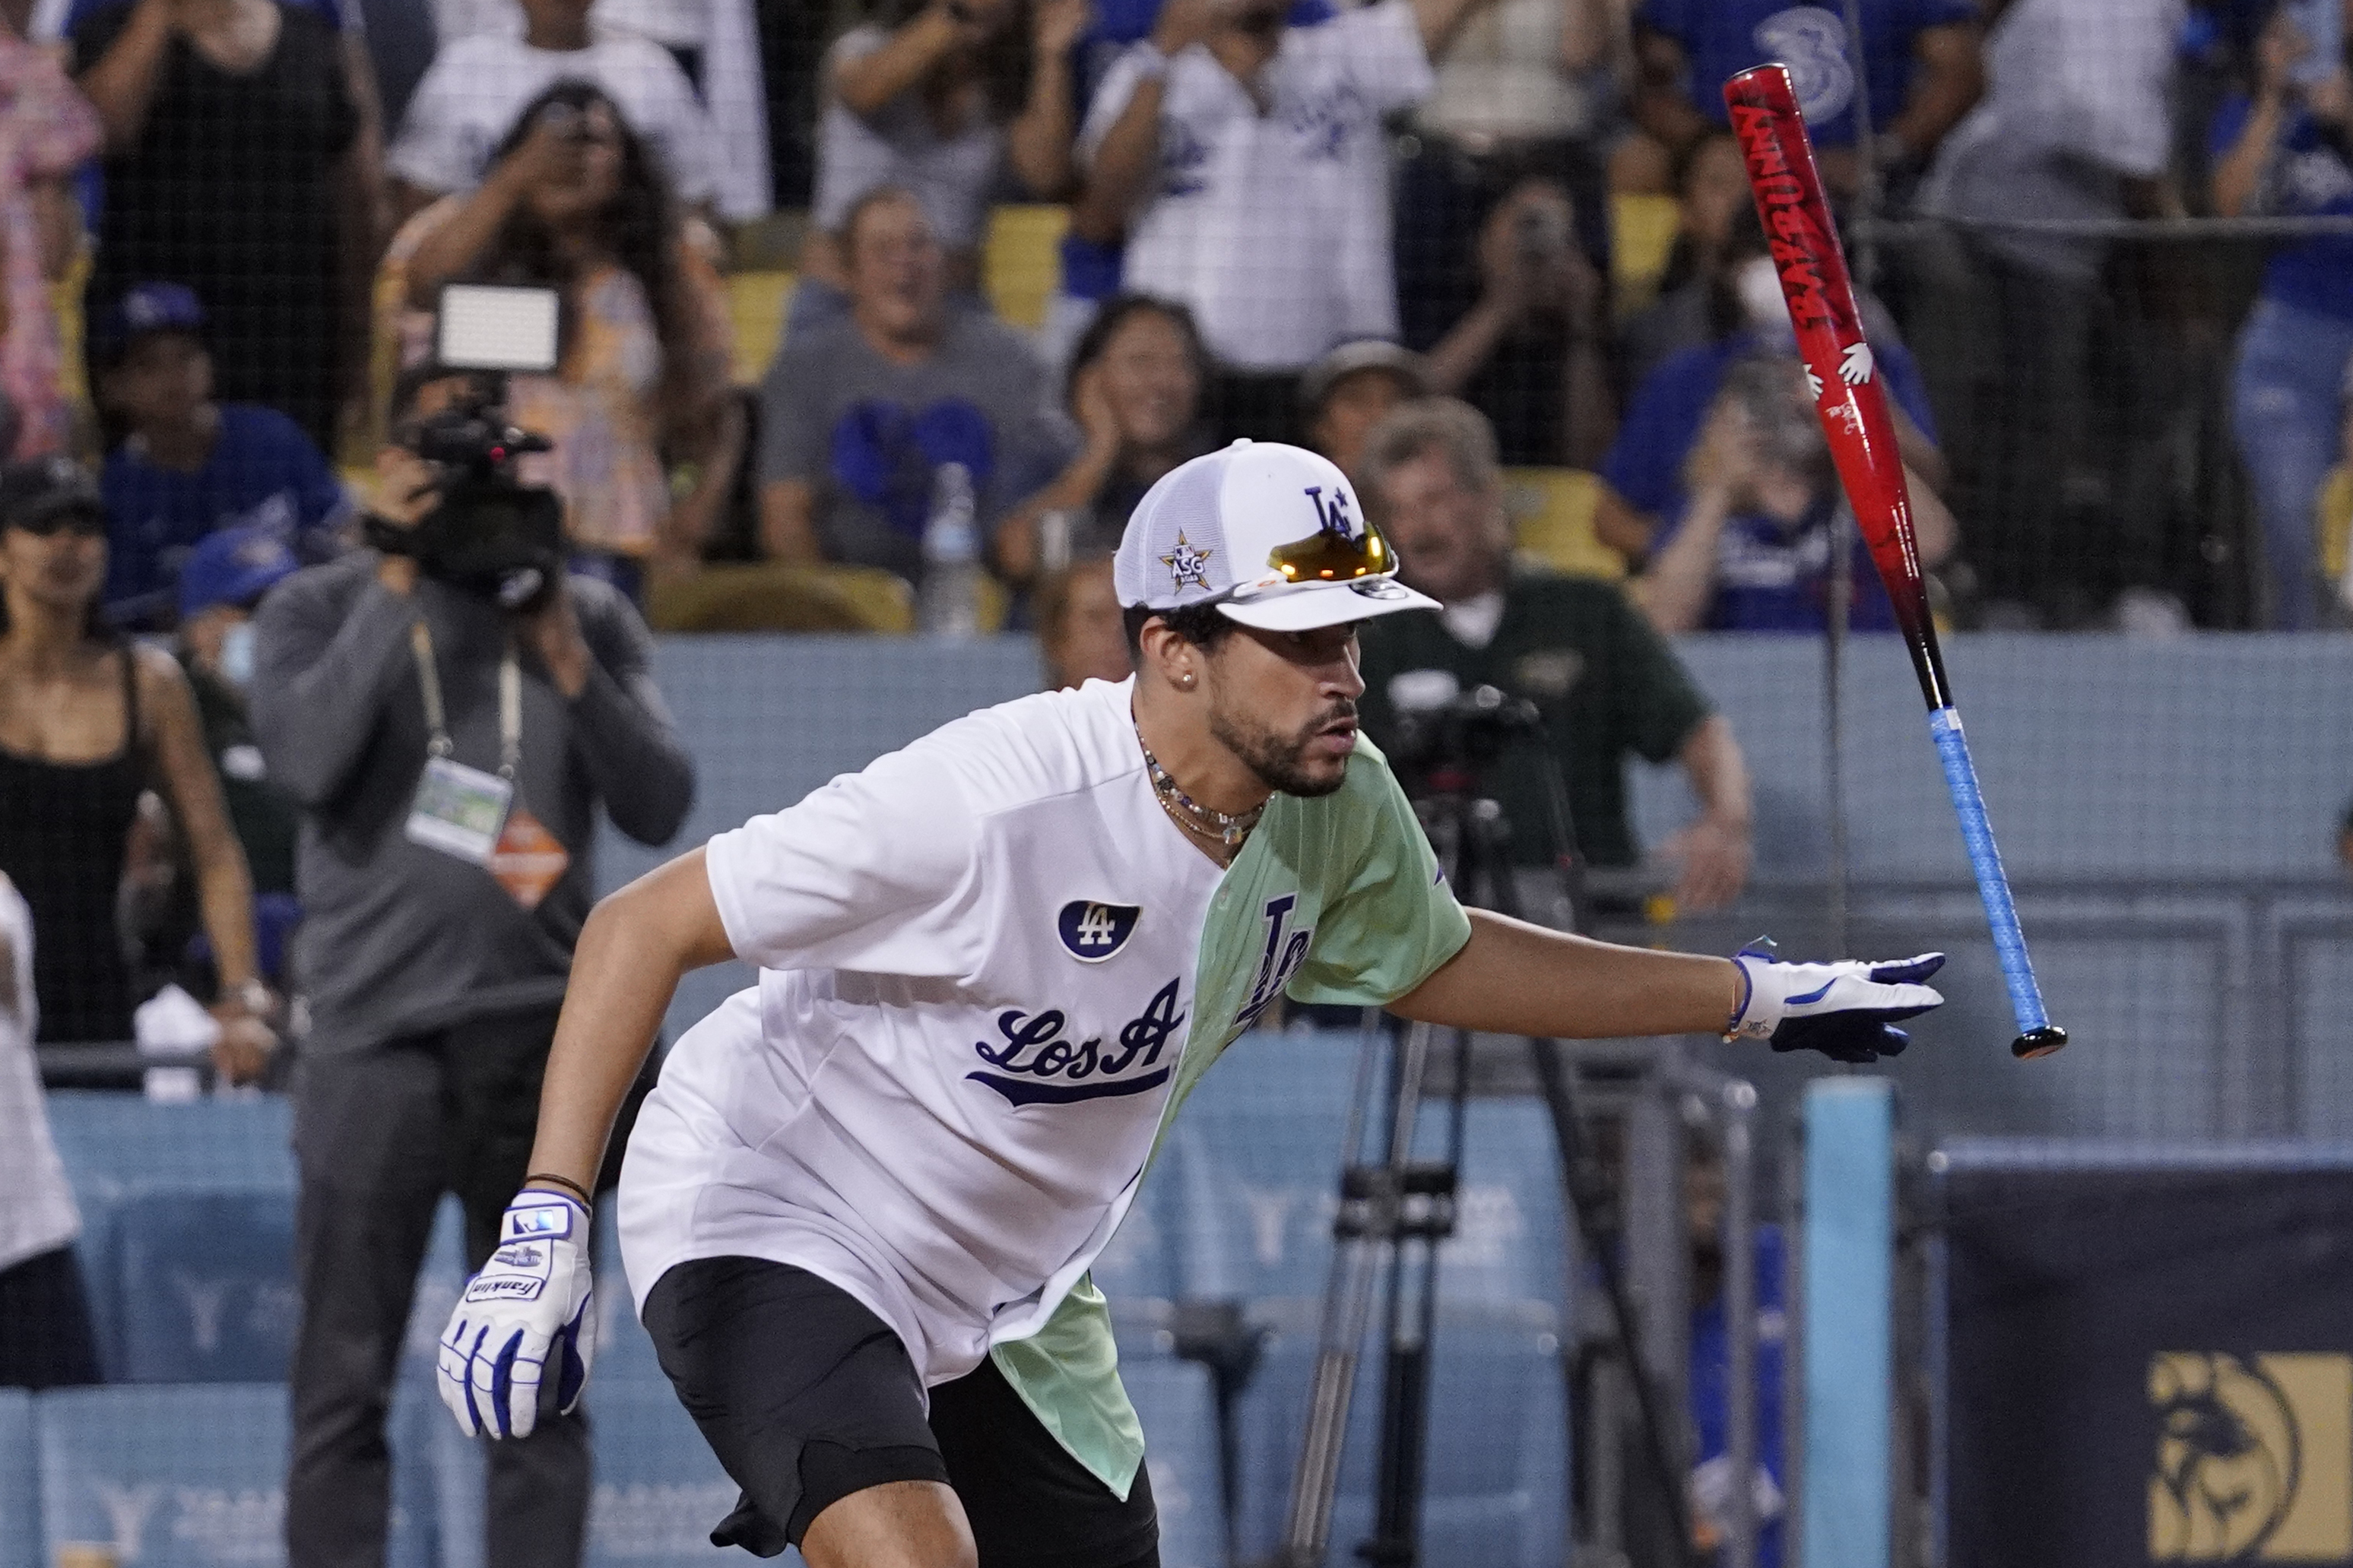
<point>1274,227</point>
<point>470,97</point>
<point>990,967</point>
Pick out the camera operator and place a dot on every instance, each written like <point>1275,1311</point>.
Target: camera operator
<point>1605,682</point>
<point>448,752</point>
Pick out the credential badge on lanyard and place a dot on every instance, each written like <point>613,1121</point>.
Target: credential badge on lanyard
<point>472,814</point>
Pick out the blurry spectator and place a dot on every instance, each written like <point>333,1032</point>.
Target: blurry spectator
<point>44,1333</point>
<point>220,588</point>
<point>46,129</point>
<point>1080,633</point>
<point>1245,163</point>
<point>441,901</point>
<point>187,466</point>
<point>1609,686</point>
<point>939,101</point>
<point>2074,124</point>
<point>224,579</point>
<point>1645,468</point>
<point>463,114</point>
<point>2288,150</point>
<point>857,418</point>
<point>241,162</point>
<point>1713,199</point>
<point>87,722</point>
<point>715,42</point>
<point>1353,388</point>
<point>1710,1378</point>
<point>1531,353</point>
<point>1750,549</point>
<point>573,201</point>
<point>1524,96</point>
<point>1135,394</point>
<point>1921,70</point>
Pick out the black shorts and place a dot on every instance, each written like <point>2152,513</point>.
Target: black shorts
<point>806,1397</point>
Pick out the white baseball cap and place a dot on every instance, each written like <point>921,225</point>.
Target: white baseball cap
<point>1270,534</point>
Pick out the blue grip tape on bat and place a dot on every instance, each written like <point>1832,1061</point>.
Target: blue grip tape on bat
<point>2037,1035</point>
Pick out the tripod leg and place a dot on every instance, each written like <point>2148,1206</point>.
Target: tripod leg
<point>1347,1311</point>
<point>1586,1205</point>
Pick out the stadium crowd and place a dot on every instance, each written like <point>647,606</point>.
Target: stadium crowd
<point>1267,222</point>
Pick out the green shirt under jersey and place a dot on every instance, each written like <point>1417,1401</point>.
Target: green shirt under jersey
<point>1380,922</point>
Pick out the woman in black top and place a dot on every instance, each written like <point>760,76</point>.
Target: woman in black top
<point>242,161</point>
<point>87,722</point>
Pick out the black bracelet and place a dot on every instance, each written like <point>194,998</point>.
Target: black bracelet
<point>587,1200</point>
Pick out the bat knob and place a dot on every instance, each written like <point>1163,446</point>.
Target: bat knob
<point>2039,1042</point>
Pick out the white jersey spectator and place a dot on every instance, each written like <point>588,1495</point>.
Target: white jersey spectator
<point>477,85</point>
<point>1273,223</point>
<point>717,42</point>
<point>45,1335</point>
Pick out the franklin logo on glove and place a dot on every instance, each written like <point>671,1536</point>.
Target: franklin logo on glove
<point>528,1306</point>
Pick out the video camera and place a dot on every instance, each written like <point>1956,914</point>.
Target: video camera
<point>1446,736</point>
<point>492,534</point>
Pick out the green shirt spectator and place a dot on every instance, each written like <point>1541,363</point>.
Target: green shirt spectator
<point>1607,684</point>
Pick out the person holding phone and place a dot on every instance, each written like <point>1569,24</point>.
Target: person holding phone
<point>576,202</point>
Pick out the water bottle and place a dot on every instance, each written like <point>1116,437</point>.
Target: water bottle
<point>947,605</point>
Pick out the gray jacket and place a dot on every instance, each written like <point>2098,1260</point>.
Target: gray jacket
<point>399,938</point>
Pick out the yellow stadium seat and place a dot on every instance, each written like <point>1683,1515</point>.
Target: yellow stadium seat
<point>65,298</point>
<point>1642,230</point>
<point>1552,521</point>
<point>767,596</point>
<point>757,303</point>
<point>1023,263</point>
<point>2334,516</point>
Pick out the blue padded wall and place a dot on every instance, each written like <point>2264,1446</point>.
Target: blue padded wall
<point>20,1487</point>
<point>1174,1401</point>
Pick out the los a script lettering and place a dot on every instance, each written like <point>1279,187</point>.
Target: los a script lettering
<point>1036,1066</point>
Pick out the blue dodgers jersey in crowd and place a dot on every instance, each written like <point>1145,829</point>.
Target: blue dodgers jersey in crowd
<point>2309,178</point>
<point>1723,38</point>
<point>263,470</point>
<point>1771,578</point>
<point>1645,464</point>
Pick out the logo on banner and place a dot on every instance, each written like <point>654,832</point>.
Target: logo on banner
<point>2254,1458</point>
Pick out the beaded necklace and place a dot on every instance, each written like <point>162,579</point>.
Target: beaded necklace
<point>1227,829</point>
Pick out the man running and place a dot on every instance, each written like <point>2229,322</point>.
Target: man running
<point>859,1210</point>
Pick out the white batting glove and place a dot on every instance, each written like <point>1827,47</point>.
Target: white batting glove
<point>1846,1011</point>
<point>526,1310</point>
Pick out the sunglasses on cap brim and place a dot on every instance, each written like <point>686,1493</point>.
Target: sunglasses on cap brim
<point>63,519</point>
<point>1323,556</point>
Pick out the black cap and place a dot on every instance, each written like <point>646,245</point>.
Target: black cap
<point>42,488</point>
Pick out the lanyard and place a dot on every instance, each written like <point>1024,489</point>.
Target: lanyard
<point>428,680</point>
